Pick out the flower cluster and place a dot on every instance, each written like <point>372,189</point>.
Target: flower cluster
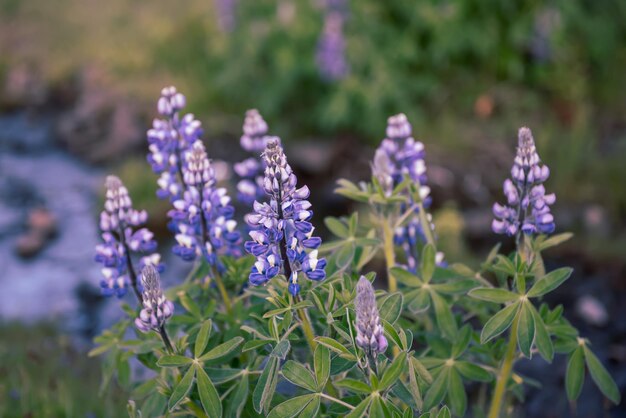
<point>156,308</point>
<point>528,206</point>
<point>282,236</point>
<point>370,336</point>
<point>202,216</point>
<point>169,140</point>
<point>399,156</point>
<point>331,48</point>
<point>122,235</point>
<point>253,140</point>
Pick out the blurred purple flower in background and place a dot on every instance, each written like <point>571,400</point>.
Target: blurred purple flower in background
<point>122,235</point>
<point>528,206</point>
<point>282,236</point>
<point>225,10</point>
<point>331,47</point>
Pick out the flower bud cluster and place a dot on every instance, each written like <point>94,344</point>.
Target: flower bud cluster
<point>156,308</point>
<point>370,336</point>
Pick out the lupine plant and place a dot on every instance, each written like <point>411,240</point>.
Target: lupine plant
<point>244,335</point>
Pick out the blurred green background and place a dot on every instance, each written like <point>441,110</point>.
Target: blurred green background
<point>468,74</point>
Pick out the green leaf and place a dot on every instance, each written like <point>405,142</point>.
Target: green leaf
<point>504,265</point>
<point>495,295</point>
<point>311,410</point>
<point>254,344</point>
<point>455,287</point>
<point>189,304</point>
<point>499,323</point>
<point>391,307</point>
<point>555,240</point>
<point>406,277</point>
<point>203,338</point>
<point>456,393</point>
<point>376,408</point>
<point>345,255</point>
<point>437,391</point>
<point>281,350</point>
<point>292,407</point>
<point>413,386</point>
<point>237,401</point>
<point>542,338</point>
<point>462,341</point>
<point>299,375</point>
<point>472,371</point>
<point>393,335</point>
<point>182,389</point>
<point>575,374</point>
<point>266,386</point>
<point>418,300</point>
<point>336,347</point>
<point>443,313</point>
<point>222,350</point>
<point>337,227</point>
<point>421,370</point>
<point>174,361</point>
<point>391,374</point>
<point>354,385</point>
<point>100,350</point>
<point>601,377</point>
<point>209,397</point>
<point>525,329</point>
<point>321,362</point>
<point>428,262</point>
<point>444,413</point>
<point>222,375</point>
<point>549,282</point>
<point>360,409</point>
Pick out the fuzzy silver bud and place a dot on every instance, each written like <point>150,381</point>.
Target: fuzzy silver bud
<point>370,336</point>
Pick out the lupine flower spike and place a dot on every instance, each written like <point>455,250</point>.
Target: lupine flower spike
<point>400,155</point>
<point>156,308</point>
<point>527,208</point>
<point>122,235</point>
<point>370,336</point>
<point>282,236</point>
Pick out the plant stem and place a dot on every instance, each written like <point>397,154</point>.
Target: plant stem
<point>166,339</point>
<point>426,226</point>
<point>340,402</point>
<point>505,372</point>
<point>390,256</point>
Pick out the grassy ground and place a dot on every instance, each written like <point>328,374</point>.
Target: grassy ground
<point>42,375</point>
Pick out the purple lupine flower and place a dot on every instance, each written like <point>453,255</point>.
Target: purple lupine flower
<point>202,216</point>
<point>169,140</point>
<point>282,236</point>
<point>123,235</point>
<point>253,140</point>
<point>400,155</point>
<point>528,206</point>
<point>369,336</point>
<point>331,48</point>
<point>156,308</point>
<point>226,14</point>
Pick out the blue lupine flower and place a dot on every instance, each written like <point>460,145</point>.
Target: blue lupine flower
<point>528,206</point>
<point>202,216</point>
<point>400,155</point>
<point>156,308</point>
<point>253,140</point>
<point>331,48</point>
<point>282,236</point>
<point>169,140</point>
<point>122,236</point>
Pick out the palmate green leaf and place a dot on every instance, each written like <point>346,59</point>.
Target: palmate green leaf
<point>281,350</point>
<point>209,397</point>
<point>222,375</point>
<point>421,370</point>
<point>321,363</point>
<point>443,313</point>
<point>495,295</point>
<point>360,409</point>
<point>575,374</point>
<point>542,337</point>
<point>444,412</point>
<point>291,407</point>
<point>351,191</point>
<point>222,350</point>
<point>354,385</point>
<point>312,409</point>
<point>336,346</point>
<point>549,282</point>
<point>499,323</point>
<point>525,329</point>
<point>254,344</point>
<point>345,255</point>
<point>504,265</point>
<point>555,240</point>
<point>392,335</point>
<point>405,277</point>
<point>237,401</point>
<point>472,371</point>
<point>181,389</point>
<point>437,390</point>
<point>391,374</point>
<point>414,388</point>
<point>428,262</point>
<point>174,361</point>
<point>299,375</point>
<point>337,227</point>
<point>418,300</point>
<point>456,393</point>
<point>390,307</point>
<point>189,304</point>
<point>601,376</point>
<point>462,341</point>
<point>378,409</point>
<point>455,287</point>
<point>203,338</point>
<point>266,386</point>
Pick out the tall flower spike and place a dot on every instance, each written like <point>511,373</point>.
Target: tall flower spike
<point>122,236</point>
<point>169,140</point>
<point>202,217</point>
<point>331,48</point>
<point>254,139</point>
<point>528,206</point>
<point>156,308</point>
<point>369,335</point>
<point>282,236</point>
<point>400,155</point>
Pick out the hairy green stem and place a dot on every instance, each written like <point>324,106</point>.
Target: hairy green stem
<point>505,372</point>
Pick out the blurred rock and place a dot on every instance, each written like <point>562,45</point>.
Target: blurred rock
<point>25,133</point>
<point>592,311</point>
<point>29,244</point>
<point>102,124</point>
<point>23,86</point>
<point>483,106</point>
